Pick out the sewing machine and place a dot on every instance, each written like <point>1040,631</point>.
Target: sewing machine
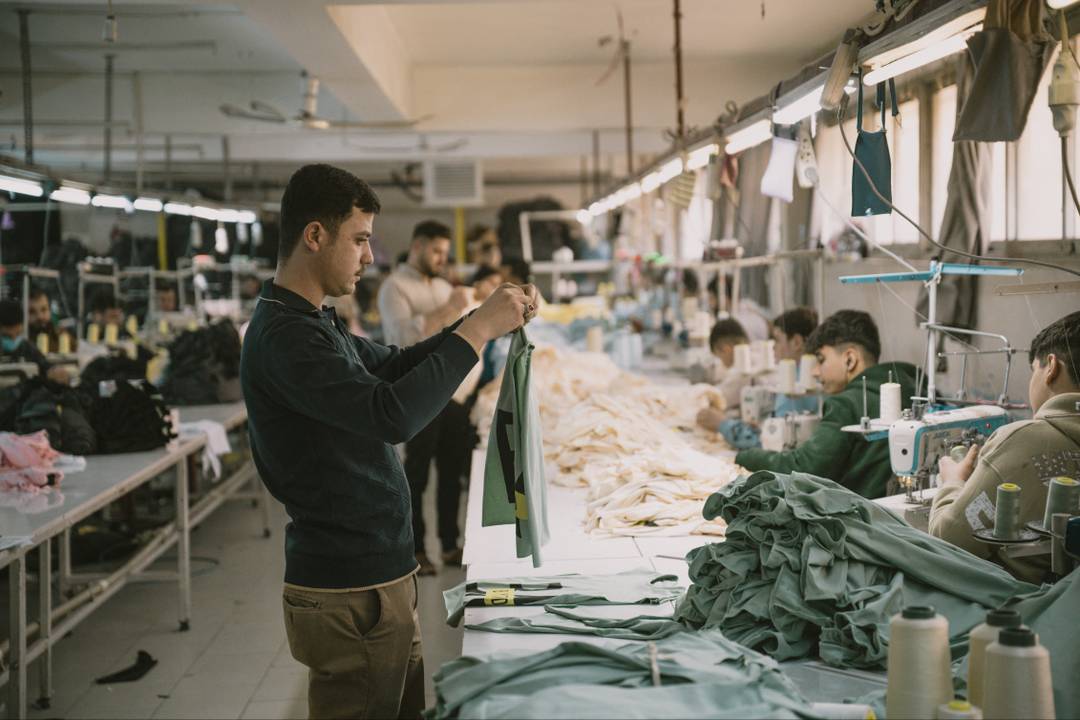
<point>787,433</point>
<point>15,373</point>
<point>916,445</point>
<point>757,404</point>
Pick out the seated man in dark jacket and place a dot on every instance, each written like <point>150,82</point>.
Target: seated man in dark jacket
<point>847,347</point>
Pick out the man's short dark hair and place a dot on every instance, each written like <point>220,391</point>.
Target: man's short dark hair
<point>37,291</point>
<point>11,313</point>
<point>324,194</point>
<point>483,273</point>
<point>1061,339</point>
<point>729,329</point>
<point>847,327</point>
<point>797,321</point>
<point>430,230</point>
<point>518,268</point>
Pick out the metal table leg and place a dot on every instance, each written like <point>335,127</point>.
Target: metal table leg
<point>63,583</point>
<point>45,612</point>
<point>183,544</point>
<point>16,705</point>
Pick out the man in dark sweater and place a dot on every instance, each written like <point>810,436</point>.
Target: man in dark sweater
<point>847,347</point>
<point>325,408</point>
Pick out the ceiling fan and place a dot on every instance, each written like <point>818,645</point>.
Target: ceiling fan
<point>308,116</point>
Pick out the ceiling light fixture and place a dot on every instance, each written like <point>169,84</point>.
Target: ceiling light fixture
<point>176,208</point>
<point>671,169</point>
<point>118,202</point>
<point>914,61</point>
<point>699,158</point>
<point>23,187</point>
<point>148,204</point>
<point>1059,4</point>
<point>750,136</point>
<point>205,213</point>
<point>73,196</point>
<point>650,182</point>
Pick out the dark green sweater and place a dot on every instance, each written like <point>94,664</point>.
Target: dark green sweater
<point>325,409</point>
<point>846,458</point>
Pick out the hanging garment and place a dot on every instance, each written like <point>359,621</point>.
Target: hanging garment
<point>515,491</point>
<point>810,569</point>
<point>633,587</point>
<point>1010,53</point>
<point>872,150</point>
<point>567,622</point>
<point>779,175</point>
<point>686,675</point>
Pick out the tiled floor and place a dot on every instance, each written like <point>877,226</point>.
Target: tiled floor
<point>234,662</point>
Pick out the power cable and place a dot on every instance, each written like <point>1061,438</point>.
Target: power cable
<point>926,235</point>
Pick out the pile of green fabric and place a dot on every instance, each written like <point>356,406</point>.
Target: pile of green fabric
<point>687,675</point>
<point>810,569</point>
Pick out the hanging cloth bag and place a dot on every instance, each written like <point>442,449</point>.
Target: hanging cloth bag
<point>1010,56</point>
<point>779,175</point>
<point>515,492</point>
<point>872,150</point>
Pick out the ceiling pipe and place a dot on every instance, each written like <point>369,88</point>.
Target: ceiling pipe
<point>27,90</point>
<point>109,58</point>
<point>680,98</point>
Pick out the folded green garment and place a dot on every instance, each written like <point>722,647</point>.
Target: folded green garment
<point>699,674</point>
<point>633,587</point>
<point>641,627</point>
<point>809,568</point>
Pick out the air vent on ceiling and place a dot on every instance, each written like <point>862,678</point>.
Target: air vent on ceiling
<point>453,183</point>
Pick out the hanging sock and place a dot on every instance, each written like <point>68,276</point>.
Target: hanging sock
<point>872,150</point>
<point>144,663</point>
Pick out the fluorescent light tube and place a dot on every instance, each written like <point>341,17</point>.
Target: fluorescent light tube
<point>1058,4</point>
<point>699,158</point>
<point>650,182</point>
<point>246,216</point>
<point>175,208</point>
<point>750,136</point>
<point>206,213</point>
<point>804,107</point>
<point>148,204</point>
<point>23,187</point>
<point>671,169</point>
<point>71,195</point>
<point>118,202</point>
<point>918,59</point>
<point>584,217</point>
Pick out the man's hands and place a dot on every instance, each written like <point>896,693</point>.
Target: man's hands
<point>710,419</point>
<point>505,310</point>
<point>59,375</point>
<point>957,473</point>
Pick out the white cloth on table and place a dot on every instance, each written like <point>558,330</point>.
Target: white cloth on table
<point>217,442</point>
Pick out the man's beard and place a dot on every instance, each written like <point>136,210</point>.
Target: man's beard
<point>39,328</point>
<point>426,269</point>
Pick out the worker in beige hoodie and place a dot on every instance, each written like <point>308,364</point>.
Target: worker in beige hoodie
<point>1028,453</point>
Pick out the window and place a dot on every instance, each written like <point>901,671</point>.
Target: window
<point>944,125</point>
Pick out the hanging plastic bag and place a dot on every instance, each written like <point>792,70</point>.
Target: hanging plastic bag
<point>515,491</point>
<point>779,176</point>
<point>1010,53</point>
<point>872,150</point>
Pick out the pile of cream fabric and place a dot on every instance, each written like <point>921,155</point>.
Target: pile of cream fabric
<point>633,444</point>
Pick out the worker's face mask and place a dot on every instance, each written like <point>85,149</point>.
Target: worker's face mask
<point>9,344</point>
<point>872,151</point>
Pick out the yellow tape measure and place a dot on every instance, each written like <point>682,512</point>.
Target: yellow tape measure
<point>499,596</point>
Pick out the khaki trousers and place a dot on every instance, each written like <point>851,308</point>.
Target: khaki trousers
<point>362,649</point>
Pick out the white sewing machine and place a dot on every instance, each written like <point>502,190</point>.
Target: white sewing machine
<point>757,404</point>
<point>787,433</point>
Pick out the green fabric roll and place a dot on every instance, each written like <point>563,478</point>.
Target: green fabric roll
<point>701,674</point>
<point>515,492</point>
<point>809,568</point>
<point>633,587</point>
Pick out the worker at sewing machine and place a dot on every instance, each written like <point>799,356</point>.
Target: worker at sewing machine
<point>41,323</point>
<point>847,347</point>
<point>1027,453</point>
<point>790,331</point>
<point>14,346</point>
<point>723,338</point>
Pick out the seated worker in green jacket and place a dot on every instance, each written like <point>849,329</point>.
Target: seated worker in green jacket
<point>1029,453</point>
<point>847,348</point>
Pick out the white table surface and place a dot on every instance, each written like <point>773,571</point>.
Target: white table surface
<point>106,478</point>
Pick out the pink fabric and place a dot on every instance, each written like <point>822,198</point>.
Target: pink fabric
<point>26,463</point>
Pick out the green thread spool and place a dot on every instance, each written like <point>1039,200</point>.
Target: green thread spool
<point>1063,496</point>
<point>1007,517</point>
